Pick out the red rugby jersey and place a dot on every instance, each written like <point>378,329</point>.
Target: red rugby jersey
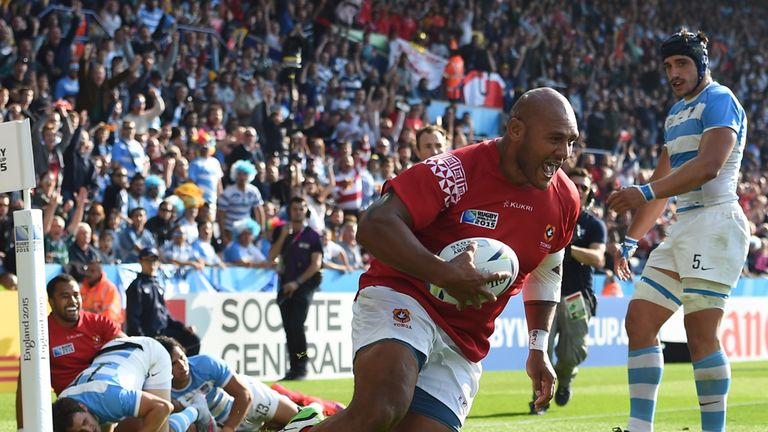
<point>463,194</point>
<point>72,349</point>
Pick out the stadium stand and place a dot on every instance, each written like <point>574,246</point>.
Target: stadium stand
<point>151,103</point>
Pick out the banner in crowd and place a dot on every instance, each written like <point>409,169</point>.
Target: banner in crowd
<point>421,63</point>
<point>484,89</point>
<point>246,330</point>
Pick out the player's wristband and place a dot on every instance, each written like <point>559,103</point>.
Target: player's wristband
<point>628,247</point>
<point>538,339</point>
<point>647,191</point>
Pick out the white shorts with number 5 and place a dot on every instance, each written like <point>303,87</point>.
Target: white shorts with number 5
<point>709,243</point>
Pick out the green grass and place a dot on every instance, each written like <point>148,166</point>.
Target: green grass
<point>600,401</point>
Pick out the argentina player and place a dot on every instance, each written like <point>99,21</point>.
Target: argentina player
<point>129,377</point>
<point>701,259</point>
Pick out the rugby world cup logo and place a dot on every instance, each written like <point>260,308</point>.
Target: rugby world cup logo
<point>21,233</point>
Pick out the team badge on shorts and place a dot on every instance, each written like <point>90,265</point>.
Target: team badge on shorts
<point>401,317</point>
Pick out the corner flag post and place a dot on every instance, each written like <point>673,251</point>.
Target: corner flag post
<point>17,172</point>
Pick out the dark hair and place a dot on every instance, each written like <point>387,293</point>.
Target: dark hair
<point>58,279</point>
<point>63,410</point>
<point>202,222</point>
<point>297,199</point>
<point>135,209</point>
<point>687,44</point>
<point>170,343</point>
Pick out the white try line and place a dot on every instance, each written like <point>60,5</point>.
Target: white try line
<point>543,419</point>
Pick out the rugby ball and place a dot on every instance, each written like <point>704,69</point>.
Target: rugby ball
<point>491,256</point>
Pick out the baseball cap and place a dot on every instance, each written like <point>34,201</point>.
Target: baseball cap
<point>149,252</point>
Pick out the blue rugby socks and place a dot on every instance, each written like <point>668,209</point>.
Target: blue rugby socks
<point>645,367</point>
<point>181,421</point>
<point>713,379</point>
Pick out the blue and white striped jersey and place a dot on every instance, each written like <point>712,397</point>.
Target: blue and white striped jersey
<point>714,107</point>
<point>111,387</point>
<point>238,204</point>
<point>207,375</point>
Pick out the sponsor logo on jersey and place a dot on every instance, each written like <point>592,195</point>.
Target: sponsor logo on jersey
<point>690,113</point>
<point>63,350</point>
<point>518,206</point>
<point>481,218</point>
<point>402,317</point>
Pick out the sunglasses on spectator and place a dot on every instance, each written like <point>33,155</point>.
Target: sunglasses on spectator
<point>582,187</point>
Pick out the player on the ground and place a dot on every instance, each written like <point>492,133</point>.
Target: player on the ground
<point>237,402</point>
<point>74,335</point>
<point>417,358</point>
<point>702,257</point>
<point>129,377</point>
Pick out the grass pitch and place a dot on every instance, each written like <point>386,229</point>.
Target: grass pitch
<point>600,401</point>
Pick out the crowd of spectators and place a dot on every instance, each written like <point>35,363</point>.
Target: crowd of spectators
<point>189,125</point>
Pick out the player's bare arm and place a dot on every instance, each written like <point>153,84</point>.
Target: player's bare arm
<point>243,398</point>
<point>539,315</point>
<point>716,145</point>
<point>541,294</point>
<point>644,218</point>
<point>385,229</point>
<point>593,256</point>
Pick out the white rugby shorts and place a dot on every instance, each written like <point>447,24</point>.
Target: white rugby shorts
<point>263,407</point>
<point>710,243</point>
<point>381,313</point>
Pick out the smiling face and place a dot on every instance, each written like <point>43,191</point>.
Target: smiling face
<point>65,303</point>
<point>682,74</point>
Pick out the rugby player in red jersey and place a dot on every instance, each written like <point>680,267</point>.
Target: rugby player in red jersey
<point>417,358</point>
